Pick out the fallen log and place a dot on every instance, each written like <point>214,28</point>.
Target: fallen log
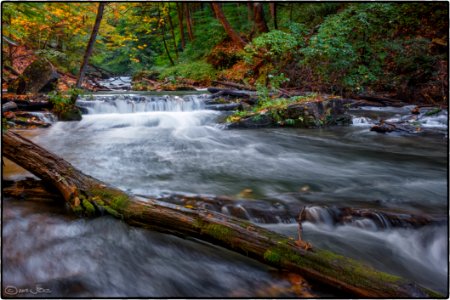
<point>233,93</point>
<point>383,100</point>
<point>234,85</point>
<point>88,196</point>
<point>25,102</point>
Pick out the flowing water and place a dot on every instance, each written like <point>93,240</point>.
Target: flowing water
<point>160,144</point>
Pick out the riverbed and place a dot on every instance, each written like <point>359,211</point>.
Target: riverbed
<point>160,144</point>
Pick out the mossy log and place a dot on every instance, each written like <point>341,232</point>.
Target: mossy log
<point>88,196</point>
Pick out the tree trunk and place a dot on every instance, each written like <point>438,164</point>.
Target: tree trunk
<point>172,31</point>
<point>180,24</point>
<point>236,38</point>
<point>163,33</point>
<point>273,13</point>
<point>188,21</point>
<point>249,11</point>
<point>91,43</point>
<point>260,21</point>
<point>91,197</point>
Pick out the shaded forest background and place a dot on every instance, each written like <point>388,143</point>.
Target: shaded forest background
<point>395,49</point>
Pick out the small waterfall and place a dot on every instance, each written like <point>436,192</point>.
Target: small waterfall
<point>43,116</point>
<point>362,121</point>
<point>437,121</point>
<point>120,83</point>
<point>133,103</point>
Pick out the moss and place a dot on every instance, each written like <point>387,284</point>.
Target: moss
<point>333,265</point>
<point>272,255</point>
<point>112,201</point>
<point>77,209</point>
<point>433,294</point>
<point>354,267</point>
<point>433,111</point>
<point>198,223</point>
<point>88,207</point>
<point>220,232</point>
<point>112,212</point>
<point>117,200</point>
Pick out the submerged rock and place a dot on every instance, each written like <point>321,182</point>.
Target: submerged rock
<point>418,120</point>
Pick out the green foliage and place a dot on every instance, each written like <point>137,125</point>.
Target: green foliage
<point>263,90</point>
<point>197,70</point>
<point>275,108</point>
<point>333,47</point>
<point>352,48</point>
<point>276,49</point>
<point>275,43</point>
<point>63,102</point>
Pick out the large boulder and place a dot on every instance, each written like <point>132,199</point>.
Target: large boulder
<point>39,76</point>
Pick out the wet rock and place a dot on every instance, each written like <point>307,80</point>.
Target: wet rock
<point>301,115</point>
<point>415,110</point>
<point>256,121</point>
<point>40,76</point>
<point>83,110</point>
<point>418,120</point>
<point>383,128</point>
<point>73,114</point>
<point>224,107</point>
<point>9,106</point>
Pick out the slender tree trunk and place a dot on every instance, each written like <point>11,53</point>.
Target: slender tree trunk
<point>188,21</point>
<point>260,21</point>
<point>10,46</point>
<point>172,31</point>
<point>180,24</point>
<point>163,33</point>
<point>236,38</point>
<point>273,13</point>
<point>91,43</point>
<point>88,196</point>
<point>250,11</point>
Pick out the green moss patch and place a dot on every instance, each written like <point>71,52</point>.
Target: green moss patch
<point>273,256</point>
<point>117,200</point>
<point>219,232</point>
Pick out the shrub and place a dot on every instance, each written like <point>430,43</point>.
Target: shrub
<point>196,70</point>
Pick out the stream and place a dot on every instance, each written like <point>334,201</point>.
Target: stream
<point>157,144</point>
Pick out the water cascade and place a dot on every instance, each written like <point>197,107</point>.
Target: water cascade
<point>150,144</point>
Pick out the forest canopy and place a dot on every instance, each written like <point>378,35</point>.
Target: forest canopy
<point>396,48</point>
